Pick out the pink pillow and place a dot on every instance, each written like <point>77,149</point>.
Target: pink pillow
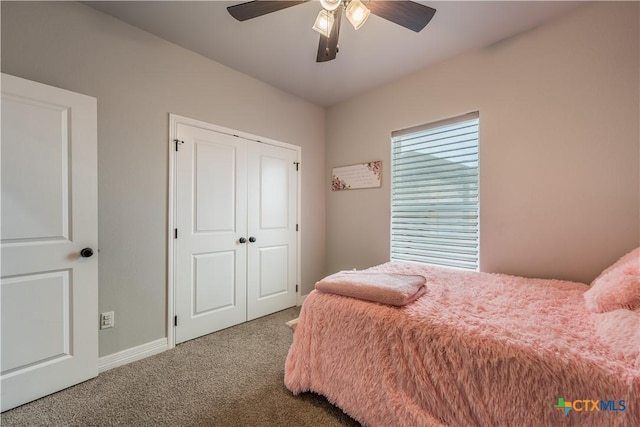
<point>617,287</point>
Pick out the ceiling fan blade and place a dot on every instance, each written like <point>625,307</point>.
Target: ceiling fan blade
<point>253,9</point>
<point>409,14</point>
<point>328,46</point>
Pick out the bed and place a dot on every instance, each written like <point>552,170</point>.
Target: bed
<point>477,349</point>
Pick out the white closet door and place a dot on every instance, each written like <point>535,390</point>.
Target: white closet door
<point>272,261</point>
<point>211,212</point>
<point>49,215</point>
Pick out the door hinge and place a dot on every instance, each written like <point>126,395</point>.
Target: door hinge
<point>175,320</point>
<point>175,233</point>
<point>178,142</point>
<point>296,288</point>
<point>297,228</point>
<point>297,165</point>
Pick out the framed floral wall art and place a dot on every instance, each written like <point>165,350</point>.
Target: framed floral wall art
<point>353,177</point>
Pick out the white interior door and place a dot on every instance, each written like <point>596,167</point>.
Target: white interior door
<point>235,208</point>
<point>211,212</point>
<point>272,256</point>
<point>49,291</point>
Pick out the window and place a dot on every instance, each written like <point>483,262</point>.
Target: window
<point>434,193</point>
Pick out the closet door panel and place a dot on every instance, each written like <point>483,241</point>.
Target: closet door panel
<point>272,209</point>
<point>211,217</point>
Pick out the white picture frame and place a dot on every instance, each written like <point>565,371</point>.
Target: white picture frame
<point>358,176</point>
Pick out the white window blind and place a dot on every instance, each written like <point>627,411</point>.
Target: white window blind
<point>435,190</point>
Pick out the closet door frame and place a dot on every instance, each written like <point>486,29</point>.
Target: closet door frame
<point>174,120</point>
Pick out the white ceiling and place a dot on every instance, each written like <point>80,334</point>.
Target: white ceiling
<point>280,48</point>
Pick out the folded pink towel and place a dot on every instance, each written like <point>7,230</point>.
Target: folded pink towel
<point>386,288</point>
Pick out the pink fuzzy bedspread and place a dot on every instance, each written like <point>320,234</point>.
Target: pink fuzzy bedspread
<point>476,350</point>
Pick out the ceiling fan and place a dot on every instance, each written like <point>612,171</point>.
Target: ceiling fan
<point>406,13</point>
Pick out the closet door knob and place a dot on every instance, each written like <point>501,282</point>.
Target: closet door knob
<point>252,239</point>
<point>242,240</point>
<point>86,253</point>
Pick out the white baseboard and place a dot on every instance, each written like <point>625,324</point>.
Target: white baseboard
<point>132,354</point>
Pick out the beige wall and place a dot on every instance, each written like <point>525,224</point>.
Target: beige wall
<point>138,80</point>
<point>559,147</point>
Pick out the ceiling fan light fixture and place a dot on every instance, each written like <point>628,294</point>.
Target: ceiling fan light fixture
<point>330,4</point>
<point>324,23</point>
<point>357,13</point>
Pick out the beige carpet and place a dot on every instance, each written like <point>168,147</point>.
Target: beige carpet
<point>230,378</point>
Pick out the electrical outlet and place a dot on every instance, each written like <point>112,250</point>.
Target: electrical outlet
<point>107,320</point>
